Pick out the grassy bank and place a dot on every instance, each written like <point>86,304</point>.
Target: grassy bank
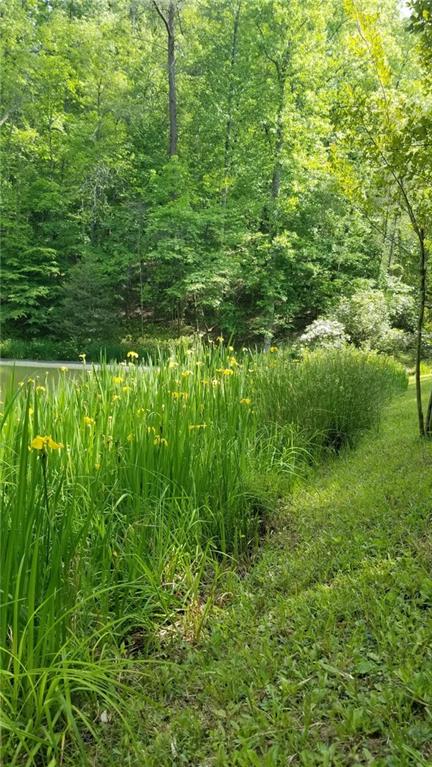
<point>47,349</point>
<point>127,500</point>
<point>321,655</point>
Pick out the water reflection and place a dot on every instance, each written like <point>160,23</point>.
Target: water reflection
<point>43,372</point>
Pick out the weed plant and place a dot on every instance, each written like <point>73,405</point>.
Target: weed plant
<point>122,489</point>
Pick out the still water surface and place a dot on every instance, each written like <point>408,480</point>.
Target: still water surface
<point>19,370</point>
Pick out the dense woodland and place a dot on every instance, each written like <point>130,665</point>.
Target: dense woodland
<point>235,165</point>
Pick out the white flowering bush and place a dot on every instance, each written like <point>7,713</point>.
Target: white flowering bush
<point>324,334</point>
<point>370,315</point>
<point>365,317</point>
<point>381,320</point>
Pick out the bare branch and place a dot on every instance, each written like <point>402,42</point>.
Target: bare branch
<point>160,14</point>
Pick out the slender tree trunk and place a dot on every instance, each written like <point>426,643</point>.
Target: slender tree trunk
<point>277,167</point>
<point>392,242</point>
<point>275,190</point>
<point>229,122</point>
<point>420,320</point>
<point>169,22</point>
<point>172,148</point>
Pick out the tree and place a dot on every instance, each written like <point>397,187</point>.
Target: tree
<point>168,19</point>
<point>387,123</point>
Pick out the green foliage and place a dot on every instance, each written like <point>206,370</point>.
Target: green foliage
<point>255,227</point>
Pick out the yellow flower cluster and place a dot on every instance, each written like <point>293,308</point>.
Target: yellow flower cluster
<point>160,441</point>
<point>180,394</point>
<point>89,421</point>
<point>132,355</point>
<point>41,443</point>
<point>245,401</point>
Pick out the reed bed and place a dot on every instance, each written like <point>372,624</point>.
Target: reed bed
<point>123,489</point>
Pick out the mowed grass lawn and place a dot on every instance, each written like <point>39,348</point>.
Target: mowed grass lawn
<point>321,653</point>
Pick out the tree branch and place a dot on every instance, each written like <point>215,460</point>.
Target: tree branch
<point>160,14</point>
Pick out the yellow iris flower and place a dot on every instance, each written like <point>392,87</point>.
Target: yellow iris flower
<point>41,443</point>
<point>160,441</point>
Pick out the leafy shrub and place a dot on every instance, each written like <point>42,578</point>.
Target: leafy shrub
<point>365,317</point>
<point>394,341</point>
<point>370,318</point>
<point>401,303</point>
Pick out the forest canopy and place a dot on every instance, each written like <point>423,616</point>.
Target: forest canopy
<point>236,165</point>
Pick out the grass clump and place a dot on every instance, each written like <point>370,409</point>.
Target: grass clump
<point>331,396</point>
<point>124,492</point>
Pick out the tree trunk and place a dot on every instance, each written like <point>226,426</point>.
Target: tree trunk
<point>172,148</point>
<point>169,22</point>
<point>275,191</point>
<point>420,320</point>
<point>229,122</point>
<point>277,167</point>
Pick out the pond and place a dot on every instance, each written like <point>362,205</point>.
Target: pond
<point>19,370</point>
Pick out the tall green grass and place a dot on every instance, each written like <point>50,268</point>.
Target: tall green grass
<point>332,397</point>
<point>156,484</point>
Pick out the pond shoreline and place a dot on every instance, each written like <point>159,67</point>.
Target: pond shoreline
<point>43,364</point>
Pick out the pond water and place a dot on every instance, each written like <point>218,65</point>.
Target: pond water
<point>19,370</point>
